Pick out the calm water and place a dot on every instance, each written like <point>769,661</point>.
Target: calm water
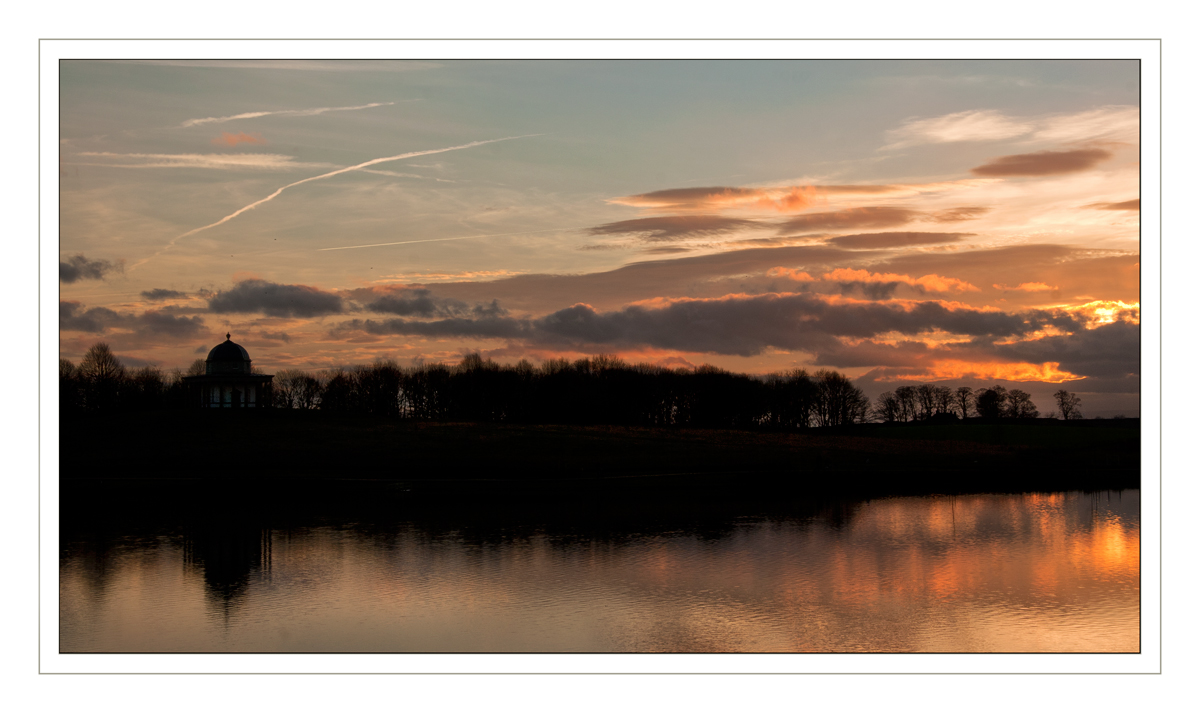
<point>1022,573</point>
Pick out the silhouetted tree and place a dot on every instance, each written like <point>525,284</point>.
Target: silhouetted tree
<point>1068,404</point>
<point>839,402</point>
<point>102,375</point>
<point>943,399</point>
<point>337,393</point>
<point>196,368</point>
<point>964,401</point>
<point>1019,405</point>
<point>887,408</point>
<point>906,397</point>
<point>425,392</point>
<point>145,389</point>
<point>296,389</point>
<point>926,401</point>
<point>788,399</point>
<point>990,403</point>
<point>69,398</point>
<point>377,388</point>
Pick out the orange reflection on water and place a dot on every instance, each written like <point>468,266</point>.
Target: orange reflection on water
<point>1034,572</point>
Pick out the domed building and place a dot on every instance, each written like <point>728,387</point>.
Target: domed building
<point>228,381</point>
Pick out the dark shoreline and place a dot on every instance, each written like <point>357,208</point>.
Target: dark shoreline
<point>308,450</point>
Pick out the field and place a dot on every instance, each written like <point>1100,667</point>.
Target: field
<point>499,458</point>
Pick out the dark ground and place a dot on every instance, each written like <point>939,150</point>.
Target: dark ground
<point>491,460</point>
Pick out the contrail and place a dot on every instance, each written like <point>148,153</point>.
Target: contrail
<point>284,112</point>
<point>439,240</point>
<point>364,164</point>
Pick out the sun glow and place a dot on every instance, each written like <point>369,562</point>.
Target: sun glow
<point>1102,312</point>
<point>991,371</point>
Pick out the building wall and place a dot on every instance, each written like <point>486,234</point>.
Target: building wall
<point>221,395</point>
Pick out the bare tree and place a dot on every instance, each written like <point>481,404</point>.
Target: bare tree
<point>196,368</point>
<point>286,383</point>
<point>100,364</point>
<point>1020,405</point>
<point>887,408</point>
<point>943,399</point>
<point>68,386</point>
<point>926,399</point>
<point>964,401</point>
<point>101,373</point>
<point>906,397</point>
<point>307,393</point>
<point>147,387</point>
<point>1068,404</point>
<point>839,402</point>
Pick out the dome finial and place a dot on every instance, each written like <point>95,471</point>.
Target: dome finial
<point>227,336</point>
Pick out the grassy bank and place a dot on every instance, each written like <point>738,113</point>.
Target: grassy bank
<point>466,457</point>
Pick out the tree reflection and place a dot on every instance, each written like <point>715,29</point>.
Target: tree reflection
<point>230,553</point>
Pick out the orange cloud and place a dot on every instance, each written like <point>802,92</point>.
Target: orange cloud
<point>852,218</point>
<point>779,198</point>
<point>928,283</point>
<point>1026,287</point>
<point>423,277</point>
<point>1100,312</point>
<point>673,227</point>
<point>228,139</point>
<point>790,273</point>
<point>1135,204</point>
<point>877,241</point>
<point>956,215</point>
<point>948,369</point>
<point>1042,163</point>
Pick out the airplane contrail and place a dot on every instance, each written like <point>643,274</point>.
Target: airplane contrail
<point>285,112</point>
<point>339,171</point>
<point>440,240</point>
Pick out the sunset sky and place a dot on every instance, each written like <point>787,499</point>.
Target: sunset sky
<point>965,222</point>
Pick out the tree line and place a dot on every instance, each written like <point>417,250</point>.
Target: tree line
<point>932,401</point>
<point>602,389</point>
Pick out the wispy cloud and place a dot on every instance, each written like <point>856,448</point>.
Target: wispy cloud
<point>442,240</point>
<point>1027,287</point>
<point>979,125</point>
<point>228,139</point>
<point>340,171</point>
<point>866,217</point>
<point>304,65</point>
<point>673,227</point>
<point>778,198</point>
<point>281,112</point>
<point>1109,122</point>
<point>245,161</point>
<point>1135,205</point>
<point>884,241</point>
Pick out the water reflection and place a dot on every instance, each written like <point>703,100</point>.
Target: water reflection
<point>1031,572</point>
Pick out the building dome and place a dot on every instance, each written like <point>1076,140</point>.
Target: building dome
<point>227,358</point>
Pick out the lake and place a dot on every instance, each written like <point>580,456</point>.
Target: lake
<point>206,567</point>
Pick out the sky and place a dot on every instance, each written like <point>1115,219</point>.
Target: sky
<point>958,222</point>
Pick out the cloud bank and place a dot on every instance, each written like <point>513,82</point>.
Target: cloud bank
<point>1042,163</point>
<point>275,300</point>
